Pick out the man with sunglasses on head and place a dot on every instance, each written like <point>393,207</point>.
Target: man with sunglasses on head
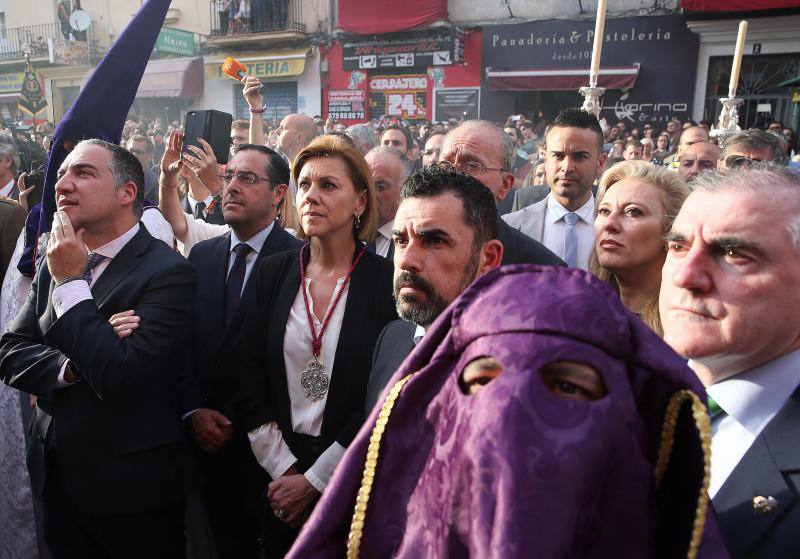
<point>751,146</point>
<point>255,183</point>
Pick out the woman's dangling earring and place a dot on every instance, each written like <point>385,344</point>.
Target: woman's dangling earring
<point>357,222</point>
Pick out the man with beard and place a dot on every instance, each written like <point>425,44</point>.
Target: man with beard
<point>445,235</point>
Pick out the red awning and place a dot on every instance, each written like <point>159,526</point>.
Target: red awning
<point>563,79</point>
<point>368,17</point>
<point>737,5</point>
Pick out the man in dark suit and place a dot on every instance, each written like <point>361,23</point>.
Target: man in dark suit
<point>445,235</point>
<point>257,180</point>
<point>729,303</point>
<point>117,464</point>
<point>485,152</point>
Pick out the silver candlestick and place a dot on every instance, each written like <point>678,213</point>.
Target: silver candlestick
<point>591,102</point>
<point>728,123</point>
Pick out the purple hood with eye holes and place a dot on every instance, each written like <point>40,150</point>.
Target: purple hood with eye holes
<point>514,470</point>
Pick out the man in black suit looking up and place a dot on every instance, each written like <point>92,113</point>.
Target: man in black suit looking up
<point>117,465</point>
<point>445,235</point>
<point>256,183</point>
<point>486,153</point>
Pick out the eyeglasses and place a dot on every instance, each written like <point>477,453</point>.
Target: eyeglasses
<point>243,176</point>
<point>742,162</point>
<point>470,167</point>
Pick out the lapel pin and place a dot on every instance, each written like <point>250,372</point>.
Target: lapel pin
<point>764,505</point>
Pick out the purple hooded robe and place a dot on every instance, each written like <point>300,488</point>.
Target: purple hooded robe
<point>515,470</point>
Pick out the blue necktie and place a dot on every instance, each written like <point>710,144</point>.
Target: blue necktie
<point>236,281</point>
<point>91,263</point>
<point>571,240</point>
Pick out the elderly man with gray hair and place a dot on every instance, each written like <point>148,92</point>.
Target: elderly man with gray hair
<point>729,303</point>
<point>363,137</point>
<point>752,146</point>
<point>390,169</point>
<point>9,164</point>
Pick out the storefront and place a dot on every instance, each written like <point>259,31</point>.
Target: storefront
<point>291,82</point>
<point>537,67</point>
<point>431,74</point>
<point>772,58</point>
<point>10,88</point>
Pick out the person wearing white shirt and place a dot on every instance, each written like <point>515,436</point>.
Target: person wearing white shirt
<point>9,163</point>
<point>311,322</point>
<point>729,303</point>
<point>564,220</point>
<point>390,169</point>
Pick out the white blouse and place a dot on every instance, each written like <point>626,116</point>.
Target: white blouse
<point>267,442</point>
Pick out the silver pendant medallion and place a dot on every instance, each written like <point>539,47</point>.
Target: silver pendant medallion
<point>314,381</point>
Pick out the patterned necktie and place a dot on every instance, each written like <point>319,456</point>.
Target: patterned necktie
<point>571,240</point>
<point>91,263</point>
<point>236,281</point>
<point>198,210</point>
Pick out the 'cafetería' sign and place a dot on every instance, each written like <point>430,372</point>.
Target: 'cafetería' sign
<point>417,49</point>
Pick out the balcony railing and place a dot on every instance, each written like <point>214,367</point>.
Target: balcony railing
<point>33,38</point>
<point>265,16</point>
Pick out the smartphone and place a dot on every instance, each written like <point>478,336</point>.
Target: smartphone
<point>214,127</point>
<point>515,118</point>
<point>36,178</point>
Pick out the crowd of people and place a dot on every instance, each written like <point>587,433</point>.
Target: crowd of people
<point>414,340</point>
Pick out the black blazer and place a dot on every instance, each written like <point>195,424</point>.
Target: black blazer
<point>769,468</point>
<point>215,215</point>
<point>117,432</point>
<point>263,392</point>
<point>519,248</point>
<point>394,344</point>
<point>209,381</point>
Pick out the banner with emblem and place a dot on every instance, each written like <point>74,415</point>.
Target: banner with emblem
<point>31,99</point>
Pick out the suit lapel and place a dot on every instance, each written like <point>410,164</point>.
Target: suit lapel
<point>121,266</point>
<point>761,473</point>
<point>218,269</point>
<point>539,216</point>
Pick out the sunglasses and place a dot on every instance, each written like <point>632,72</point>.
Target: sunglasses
<point>742,162</point>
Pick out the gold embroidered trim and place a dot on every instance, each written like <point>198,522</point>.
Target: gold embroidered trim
<point>702,422</point>
<point>362,500</point>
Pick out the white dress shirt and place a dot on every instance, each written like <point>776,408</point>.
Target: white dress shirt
<point>6,190</point>
<point>750,401</point>
<point>193,203</point>
<point>70,294</point>
<point>419,333</point>
<point>555,226</point>
<point>255,242</point>
<point>383,240</point>
<point>199,230</point>
<point>267,442</point>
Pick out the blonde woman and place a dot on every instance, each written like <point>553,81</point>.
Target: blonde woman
<point>636,204</point>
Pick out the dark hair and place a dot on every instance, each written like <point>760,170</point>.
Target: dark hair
<point>124,168</point>
<point>406,133</point>
<point>526,124</point>
<point>578,118</point>
<point>480,211</point>
<point>277,168</point>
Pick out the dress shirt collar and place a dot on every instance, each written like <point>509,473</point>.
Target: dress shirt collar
<point>419,333</point>
<point>256,242</point>
<point>6,190</point>
<point>112,248</point>
<point>754,397</point>
<point>192,202</point>
<point>386,229</point>
<point>556,212</point>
